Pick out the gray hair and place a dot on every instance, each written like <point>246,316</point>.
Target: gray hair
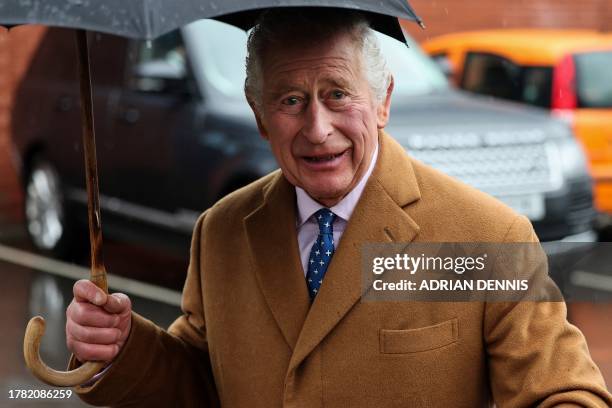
<point>280,27</point>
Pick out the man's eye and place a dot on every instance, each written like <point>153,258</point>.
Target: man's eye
<point>338,95</point>
<point>291,101</point>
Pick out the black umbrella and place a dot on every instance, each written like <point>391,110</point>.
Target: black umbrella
<point>146,19</point>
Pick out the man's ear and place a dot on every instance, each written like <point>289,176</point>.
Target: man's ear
<point>384,108</point>
<point>260,125</point>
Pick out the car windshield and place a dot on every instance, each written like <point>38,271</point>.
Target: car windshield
<point>594,79</point>
<point>219,52</point>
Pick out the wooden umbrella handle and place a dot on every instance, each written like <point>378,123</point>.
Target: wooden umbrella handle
<point>31,351</point>
<point>36,326</point>
<point>31,345</point>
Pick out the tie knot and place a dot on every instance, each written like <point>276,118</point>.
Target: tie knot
<point>325,217</point>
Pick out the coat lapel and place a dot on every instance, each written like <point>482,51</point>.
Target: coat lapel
<point>272,238</point>
<point>379,217</point>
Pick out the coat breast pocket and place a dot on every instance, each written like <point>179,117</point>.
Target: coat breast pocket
<point>419,339</point>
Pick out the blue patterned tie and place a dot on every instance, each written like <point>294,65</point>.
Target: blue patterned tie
<point>321,252</point>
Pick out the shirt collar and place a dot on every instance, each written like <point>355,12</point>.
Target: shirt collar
<point>307,206</point>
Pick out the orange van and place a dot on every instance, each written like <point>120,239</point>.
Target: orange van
<point>568,72</point>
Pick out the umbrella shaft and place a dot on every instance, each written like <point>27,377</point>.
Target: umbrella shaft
<point>98,276</point>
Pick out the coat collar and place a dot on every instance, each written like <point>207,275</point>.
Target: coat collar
<point>378,217</point>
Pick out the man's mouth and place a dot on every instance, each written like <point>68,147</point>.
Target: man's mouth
<point>324,158</point>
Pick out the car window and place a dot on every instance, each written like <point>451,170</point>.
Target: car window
<point>107,54</point>
<point>594,79</point>
<point>490,75</point>
<point>152,62</point>
<point>536,86</point>
<point>219,54</point>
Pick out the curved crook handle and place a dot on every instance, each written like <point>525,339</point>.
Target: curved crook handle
<point>31,352</point>
<point>31,349</point>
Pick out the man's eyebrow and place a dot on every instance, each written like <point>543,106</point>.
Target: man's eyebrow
<point>279,90</point>
<point>339,82</point>
<point>286,86</point>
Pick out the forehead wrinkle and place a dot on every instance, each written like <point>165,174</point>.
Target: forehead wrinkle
<point>291,65</point>
<point>291,79</point>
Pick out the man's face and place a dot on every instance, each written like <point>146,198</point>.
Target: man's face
<point>320,116</point>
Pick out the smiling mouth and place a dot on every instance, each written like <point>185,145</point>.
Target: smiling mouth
<point>323,158</point>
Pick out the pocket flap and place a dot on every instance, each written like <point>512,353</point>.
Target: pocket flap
<point>421,339</point>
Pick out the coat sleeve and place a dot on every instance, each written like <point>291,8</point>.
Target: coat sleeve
<point>158,368</point>
<point>536,357</point>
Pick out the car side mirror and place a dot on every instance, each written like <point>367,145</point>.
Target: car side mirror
<point>161,76</point>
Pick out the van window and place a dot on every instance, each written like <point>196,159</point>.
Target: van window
<point>594,81</point>
<point>496,76</point>
<point>488,74</point>
<point>536,86</point>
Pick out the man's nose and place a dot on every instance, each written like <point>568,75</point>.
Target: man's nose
<point>318,123</point>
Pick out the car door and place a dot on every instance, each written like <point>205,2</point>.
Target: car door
<point>46,107</point>
<point>155,105</point>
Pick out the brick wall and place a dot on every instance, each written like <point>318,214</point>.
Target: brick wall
<point>446,16</point>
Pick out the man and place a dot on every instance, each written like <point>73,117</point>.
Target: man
<point>272,311</point>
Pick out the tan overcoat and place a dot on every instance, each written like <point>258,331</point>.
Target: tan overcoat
<point>249,336</point>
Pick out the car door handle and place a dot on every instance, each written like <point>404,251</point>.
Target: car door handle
<point>130,115</point>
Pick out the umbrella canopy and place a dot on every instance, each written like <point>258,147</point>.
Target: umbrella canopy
<point>148,19</point>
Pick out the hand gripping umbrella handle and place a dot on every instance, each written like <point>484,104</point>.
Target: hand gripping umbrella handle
<point>36,326</point>
<point>31,350</point>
